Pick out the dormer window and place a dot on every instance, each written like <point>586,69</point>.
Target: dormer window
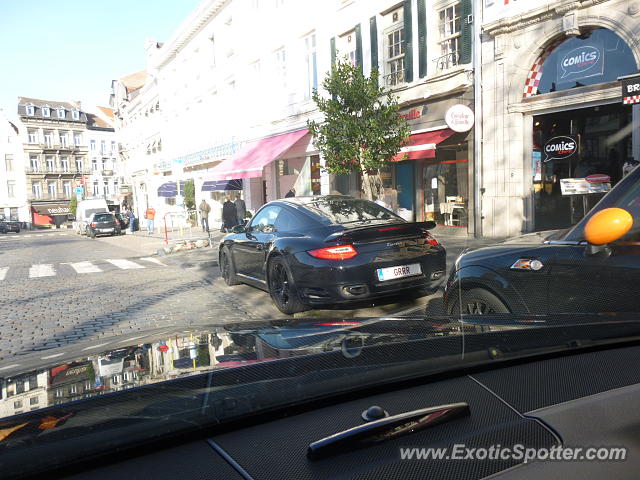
<point>46,111</point>
<point>30,109</point>
<point>75,114</point>
<point>61,113</point>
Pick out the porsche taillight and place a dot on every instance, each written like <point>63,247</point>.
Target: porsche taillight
<point>336,252</point>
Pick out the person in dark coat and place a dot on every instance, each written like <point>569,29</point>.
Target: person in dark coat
<point>229,215</point>
<point>291,193</point>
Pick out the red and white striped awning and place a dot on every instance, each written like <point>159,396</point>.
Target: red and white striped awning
<point>423,145</point>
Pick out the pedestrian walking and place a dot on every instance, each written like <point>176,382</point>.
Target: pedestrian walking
<point>229,215</point>
<point>131,219</point>
<point>150,215</point>
<point>290,193</point>
<point>204,215</point>
<point>241,209</point>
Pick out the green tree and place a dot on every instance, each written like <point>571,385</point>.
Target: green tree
<point>73,206</point>
<point>362,129</point>
<point>189,195</point>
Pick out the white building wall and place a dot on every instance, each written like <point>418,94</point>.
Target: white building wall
<point>10,145</point>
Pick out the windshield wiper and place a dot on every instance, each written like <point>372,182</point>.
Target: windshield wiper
<point>385,429</point>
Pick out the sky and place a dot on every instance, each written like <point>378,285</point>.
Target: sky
<point>71,49</point>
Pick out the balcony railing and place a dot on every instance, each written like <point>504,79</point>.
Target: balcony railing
<point>57,171</point>
<point>55,146</point>
<point>49,197</point>
<point>394,79</point>
<point>445,62</point>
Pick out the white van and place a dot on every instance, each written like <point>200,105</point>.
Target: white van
<point>85,209</point>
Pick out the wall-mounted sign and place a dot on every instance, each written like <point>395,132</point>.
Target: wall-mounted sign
<point>582,62</point>
<point>413,114</point>
<point>559,148</point>
<point>631,90</point>
<point>459,118</point>
<point>581,186</point>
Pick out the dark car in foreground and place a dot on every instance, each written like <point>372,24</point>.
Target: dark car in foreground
<point>331,250</point>
<point>9,226</point>
<point>591,267</point>
<point>103,223</point>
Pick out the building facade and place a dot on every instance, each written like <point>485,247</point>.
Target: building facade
<point>13,193</point>
<point>106,173</point>
<point>553,111</point>
<point>235,107</point>
<point>53,137</point>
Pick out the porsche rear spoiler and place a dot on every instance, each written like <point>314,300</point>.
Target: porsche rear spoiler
<point>381,230</point>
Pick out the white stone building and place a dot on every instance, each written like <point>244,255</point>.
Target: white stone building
<point>13,185</point>
<point>106,169</point>
<point>550,71</point>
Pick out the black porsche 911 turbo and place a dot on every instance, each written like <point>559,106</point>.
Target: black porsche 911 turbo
<point>331,250</point>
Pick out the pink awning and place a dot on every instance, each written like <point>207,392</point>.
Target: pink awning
<point>249,161</point>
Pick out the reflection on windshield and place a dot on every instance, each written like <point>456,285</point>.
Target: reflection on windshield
<point>342,210</point>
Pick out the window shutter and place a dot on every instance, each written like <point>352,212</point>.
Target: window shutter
<point>333,52</point>
<point>373,33</point>
<point>422,38</point>
<point>466,32</point>
<point>408,45</point>
<point>359,47</point>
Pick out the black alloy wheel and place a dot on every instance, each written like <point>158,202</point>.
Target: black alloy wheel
<point>281,289</point>
<point>477,301</point>
<point>227,269</point>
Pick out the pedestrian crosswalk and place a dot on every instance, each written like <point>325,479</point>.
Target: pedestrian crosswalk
<point>48,270</point>
<point>21,236</point>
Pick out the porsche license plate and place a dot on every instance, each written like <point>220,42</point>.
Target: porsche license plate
<point>391,273</point>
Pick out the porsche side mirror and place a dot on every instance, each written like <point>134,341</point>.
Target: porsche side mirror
<point>607,226</point>
<point>238,229</point>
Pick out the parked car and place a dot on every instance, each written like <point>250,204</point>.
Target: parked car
<point>7,226</point>
<point>103,223</point>
<point>593,267</point>
<point>123,221</point>
<point>85,209</point>
<point>331,250</point>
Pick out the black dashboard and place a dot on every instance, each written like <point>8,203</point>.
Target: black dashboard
<point>586,398</point>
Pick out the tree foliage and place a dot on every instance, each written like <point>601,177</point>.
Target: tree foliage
<point>362,129</point>
<point>73,206</point>
<point>189,195</point>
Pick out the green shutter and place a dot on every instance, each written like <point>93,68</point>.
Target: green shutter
<point>359,46</point>
<point>408,43</point>
<point>373,33</point>
<point>422,38</point>
<point>466,32</point>
<point>333,52</point>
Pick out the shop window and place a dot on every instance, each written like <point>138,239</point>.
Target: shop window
<point>597,56</point>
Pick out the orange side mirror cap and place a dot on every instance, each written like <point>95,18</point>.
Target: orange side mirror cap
<point>607,226</point>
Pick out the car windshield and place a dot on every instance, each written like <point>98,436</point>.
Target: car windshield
<point>212,209</point>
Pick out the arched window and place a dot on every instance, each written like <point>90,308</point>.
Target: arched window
<point>597,56</point>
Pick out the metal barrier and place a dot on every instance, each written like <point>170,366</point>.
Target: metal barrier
<point>177,224</point>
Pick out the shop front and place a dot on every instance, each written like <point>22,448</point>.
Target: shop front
<point>49,213</point>
<point>431,179</point>
<point>579,152</point>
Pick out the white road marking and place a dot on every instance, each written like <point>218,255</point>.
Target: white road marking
<point>39,235</point>
<point>41,270</point>
<point>52,356</point>
<point>26,236</point>
<point>124,264</point>
<point>9,366</point>
<point>95,346</point>
<point>153,260</point>
<point>133,338</point>
<point>85,267</point>
<point>3,272</point>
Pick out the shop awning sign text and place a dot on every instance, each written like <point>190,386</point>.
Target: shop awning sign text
<point>631,90</point>
<point>582,62</point>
